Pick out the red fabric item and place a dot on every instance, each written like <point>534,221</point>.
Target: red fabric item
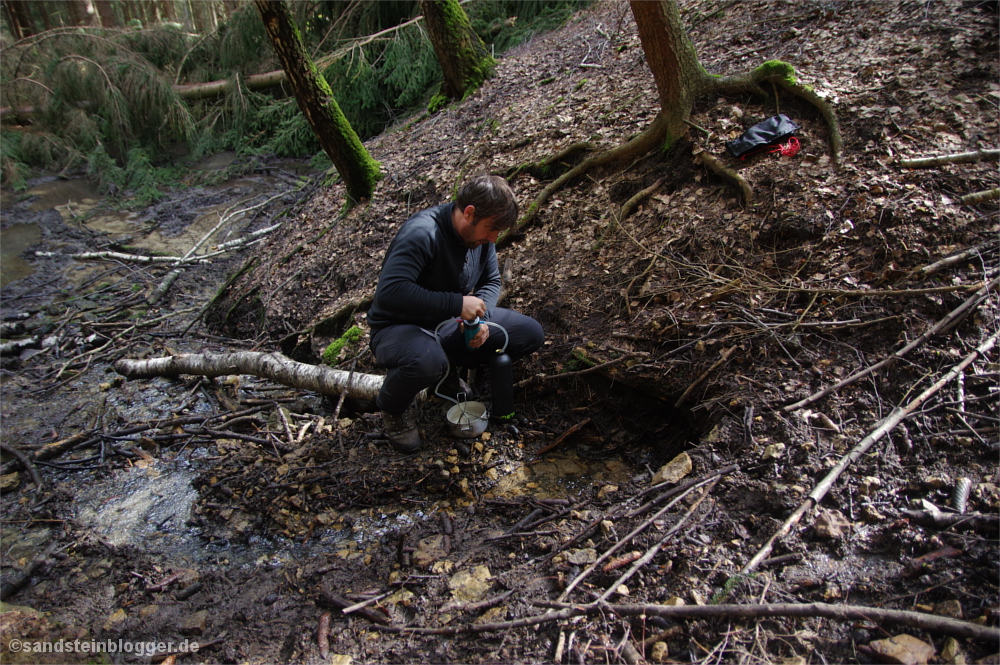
<point>789,149</point>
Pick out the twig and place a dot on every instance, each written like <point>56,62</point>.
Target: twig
<point>568,375</point>
<point>26,463</point>
<point>621,543</point>
<point>888,423</point>
<point>224,219</point>
<point>946,323</point>
<point>327,597</point>
<point>697,382</point>
<point>340,403</point>
<point>922,620</point>
<point>365,603</point>
<point>652,551</point>
<point>954,258</point>
<point>956,158</point>
<point>565,435</point>
<point>864,293</point>
<point>930,622</point>
<point>981,197</point>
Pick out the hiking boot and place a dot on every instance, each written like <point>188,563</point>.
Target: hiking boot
<point>403,434</point>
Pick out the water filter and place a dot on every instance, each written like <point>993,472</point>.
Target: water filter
<point>471,328</point>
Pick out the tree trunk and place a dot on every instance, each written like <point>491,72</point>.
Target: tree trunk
<point>359,171</point>
<point>461,53</point>
<point>18,18</point>
<point>78,14</point>
<point>679,76</point>
<point>106,12</point>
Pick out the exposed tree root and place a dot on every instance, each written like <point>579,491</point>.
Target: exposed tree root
<point>641,144</point>
<point>539,169</point>
<point>653,137</point>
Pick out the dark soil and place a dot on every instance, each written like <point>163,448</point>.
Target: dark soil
<point>273,506</point>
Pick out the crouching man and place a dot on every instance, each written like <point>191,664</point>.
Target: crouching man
<point>442,265</point>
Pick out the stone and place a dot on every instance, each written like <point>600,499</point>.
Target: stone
<point>949,608</point>
<point>194,624</point>
<point>674,470</point>
<point>773,451</point>
<point>902,650</point>
<point>116,617</point>
<point>659,653</point>
<point>951,652</point>
<point>674,602</point>
<point>470,585</point>
<point>869,485</point>
<point>582,557</point>
<point>831,524</point>
<point>430,550</point>
<point>10,481</point>
<point>148,611</point>
<point>606,490</point>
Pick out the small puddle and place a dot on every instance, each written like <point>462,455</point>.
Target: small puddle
<point>559,477</point>
<point>13,241</point>
<point>60,193</point>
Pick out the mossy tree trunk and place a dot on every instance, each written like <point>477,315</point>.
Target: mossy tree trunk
<point>461,53</point>
<point>315,98</point>
<point>680,78</point>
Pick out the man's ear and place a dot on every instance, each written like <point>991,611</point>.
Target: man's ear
<point>470,214</point>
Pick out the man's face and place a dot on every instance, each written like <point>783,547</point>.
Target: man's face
<point>474,232</point>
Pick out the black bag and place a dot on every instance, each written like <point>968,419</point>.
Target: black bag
<point>771,131</point>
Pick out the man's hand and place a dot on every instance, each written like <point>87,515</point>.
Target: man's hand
<point>473,307</point>
<point>482,335</point>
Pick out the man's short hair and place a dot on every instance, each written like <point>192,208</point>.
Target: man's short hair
<point>492,198</point>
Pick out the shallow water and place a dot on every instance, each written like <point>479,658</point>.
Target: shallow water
<point>13,241</point>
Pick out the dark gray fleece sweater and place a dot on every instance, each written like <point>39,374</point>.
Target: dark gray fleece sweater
<point>426,271</point>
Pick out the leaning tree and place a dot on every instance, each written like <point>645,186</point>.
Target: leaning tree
<point>315,98</point>
<point>680,81</point>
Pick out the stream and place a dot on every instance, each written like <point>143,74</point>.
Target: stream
<point>149,504</point>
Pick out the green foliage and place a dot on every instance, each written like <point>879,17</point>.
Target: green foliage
<point>139,181</point>
<point>379,82</point>
<point>109,105</point>
<point>331,355</point>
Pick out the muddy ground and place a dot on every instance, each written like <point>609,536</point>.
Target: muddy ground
<point>238,512</point>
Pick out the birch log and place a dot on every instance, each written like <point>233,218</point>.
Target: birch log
<point>274,366</point>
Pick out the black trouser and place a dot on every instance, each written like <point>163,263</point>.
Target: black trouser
<point>416,360</point>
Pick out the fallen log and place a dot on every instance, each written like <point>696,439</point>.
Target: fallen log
<point>274,366</point>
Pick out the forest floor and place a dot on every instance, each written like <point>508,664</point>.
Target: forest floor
<point>246,516</point>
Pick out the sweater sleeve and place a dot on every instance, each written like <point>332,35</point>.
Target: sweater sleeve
<point>398,290</point>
